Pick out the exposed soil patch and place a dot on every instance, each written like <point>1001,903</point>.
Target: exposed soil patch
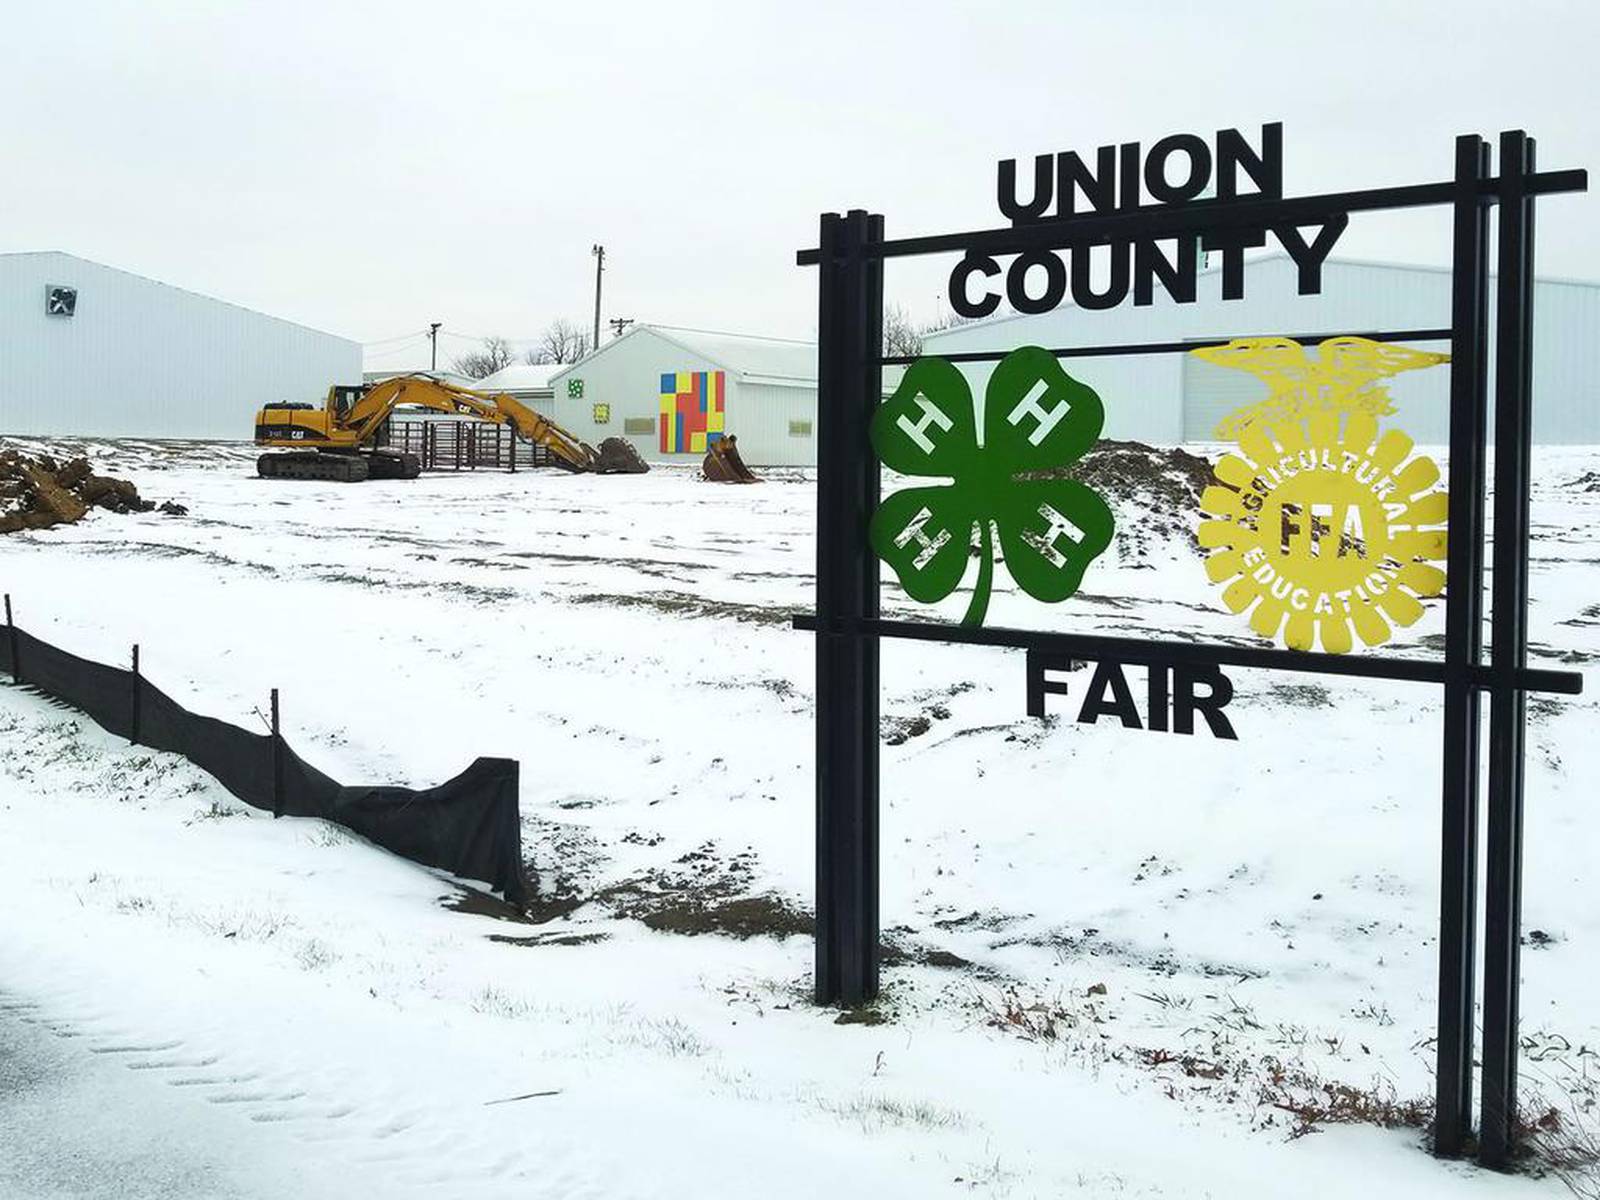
<point>551,939</point>
<point>766,915</point>
<point>685,604</point>
<point>1302,695</point>
<point>700,892</point>
<point>897,731</point>
<point>860,1016</point>
<point>1131,470</point>
<point>482,904</point>
<point>1089,943</point>
<point>1154,491</point>
<point>540,910</point>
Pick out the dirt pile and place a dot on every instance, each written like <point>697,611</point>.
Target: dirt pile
<point>1153,490</point>
<point>37,491</point>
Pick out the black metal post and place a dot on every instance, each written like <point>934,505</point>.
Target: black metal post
<point>11,639</point>
<point>1513,435</point>
<point>277,760</point>
<point>599,253</point>
<point>1458,873</point>
<point>133,732</point>
<point>849,388</point>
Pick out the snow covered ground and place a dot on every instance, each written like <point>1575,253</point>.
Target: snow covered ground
<point>1114,953</point>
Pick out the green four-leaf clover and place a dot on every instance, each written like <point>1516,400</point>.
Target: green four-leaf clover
<point>1035,417</point>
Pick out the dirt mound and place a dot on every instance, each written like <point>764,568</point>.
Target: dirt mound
<point>37,491</point>
<point>1154,491</point>
<point>1170,476</point>
<point>619,456</point>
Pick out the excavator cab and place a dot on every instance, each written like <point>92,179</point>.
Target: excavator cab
<point>342,398</point>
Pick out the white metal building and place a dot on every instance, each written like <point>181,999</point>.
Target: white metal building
<point>669,390</point>
<point>452,377</point>
<point>1177,397</point>
<point>89,350</point>
<point>528,382</point>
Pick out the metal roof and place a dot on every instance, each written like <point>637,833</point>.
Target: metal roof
<point>521,377</point>
<point>783,361</point>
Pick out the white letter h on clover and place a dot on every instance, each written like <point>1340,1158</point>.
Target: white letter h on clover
<point>930,545</point>
<point>1028,406</point>
<point>1044,541</point>
<point>918,431</point>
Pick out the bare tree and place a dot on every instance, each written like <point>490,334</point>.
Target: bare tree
<point>948,320</point>
<point>900,335</point>
<point>478,364</point>
<point>561,342</point>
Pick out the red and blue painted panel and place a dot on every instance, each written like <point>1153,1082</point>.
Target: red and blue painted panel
<point>691,410</point>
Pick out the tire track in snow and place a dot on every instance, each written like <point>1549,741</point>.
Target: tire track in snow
<point>413,1151</point>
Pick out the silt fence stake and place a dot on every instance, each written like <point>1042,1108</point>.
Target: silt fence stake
<point>133,733</point>
<point>277,761</point>
<point>11,635</point>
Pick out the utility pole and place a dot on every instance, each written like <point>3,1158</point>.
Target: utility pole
<point>618,324</point>
<point>599,253</point>
<point>433,336</point>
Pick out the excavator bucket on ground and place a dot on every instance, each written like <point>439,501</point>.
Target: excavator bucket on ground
<point>724,465</point>
<point>618,456</point>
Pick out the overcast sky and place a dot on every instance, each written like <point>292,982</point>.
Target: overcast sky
<point>368,168</point>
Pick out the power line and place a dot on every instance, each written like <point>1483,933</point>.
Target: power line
<point>399,338</point>
<point>421,337</point>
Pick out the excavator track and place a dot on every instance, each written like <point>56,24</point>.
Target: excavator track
<point>388,463</point>
<point>334,468</point>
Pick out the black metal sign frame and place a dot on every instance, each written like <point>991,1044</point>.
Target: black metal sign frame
<point>848,625</point>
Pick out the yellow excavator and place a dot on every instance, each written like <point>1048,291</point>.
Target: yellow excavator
<point>338,440</point>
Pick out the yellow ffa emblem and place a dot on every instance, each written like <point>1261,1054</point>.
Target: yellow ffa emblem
<point>1342,378</point>
<point>1318,532</point>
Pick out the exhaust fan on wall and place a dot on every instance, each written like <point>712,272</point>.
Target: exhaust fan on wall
<point>60,301</point>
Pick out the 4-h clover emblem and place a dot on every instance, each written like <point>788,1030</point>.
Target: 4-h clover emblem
<point>574,389</point>
<point>1036,418</point>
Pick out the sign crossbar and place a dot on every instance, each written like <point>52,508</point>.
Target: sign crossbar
<point>1096,646</point>
<point>1132,348</point>
<point>1198,216</point>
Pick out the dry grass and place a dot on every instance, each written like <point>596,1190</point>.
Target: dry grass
<point>1559,1130</point>
<point>1558,1134</point>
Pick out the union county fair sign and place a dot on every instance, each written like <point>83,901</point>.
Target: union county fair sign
<point>1324,529</point>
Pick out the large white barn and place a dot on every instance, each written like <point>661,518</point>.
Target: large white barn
<point>89,350</point>
<point>1176,397</point>
<point>670,390</point>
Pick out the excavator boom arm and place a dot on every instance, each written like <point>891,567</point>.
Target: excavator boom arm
<point>367,415</point>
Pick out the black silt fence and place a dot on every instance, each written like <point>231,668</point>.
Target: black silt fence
<point>469,825</point>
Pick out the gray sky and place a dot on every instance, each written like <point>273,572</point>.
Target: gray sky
<point>367,168</point>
